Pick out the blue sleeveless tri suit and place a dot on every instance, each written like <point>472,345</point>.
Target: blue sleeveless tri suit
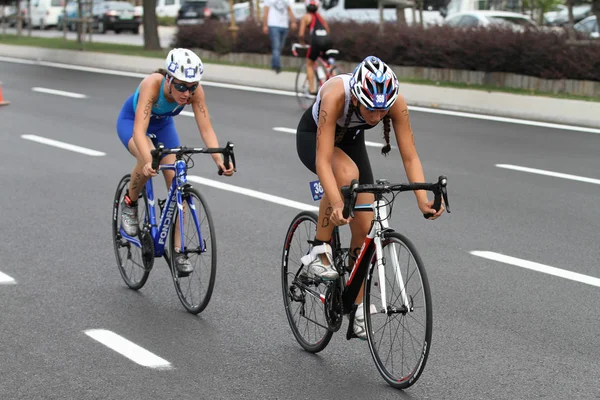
<point>161,119</point>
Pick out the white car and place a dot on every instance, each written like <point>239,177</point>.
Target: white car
<point>588,26</point>
<point>474,19</point>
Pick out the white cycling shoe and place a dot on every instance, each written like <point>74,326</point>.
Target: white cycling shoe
<point>316,267</point>
<point>359,321</point>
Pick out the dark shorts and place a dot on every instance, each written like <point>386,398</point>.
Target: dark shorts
<point>352,144</point>
<point>318,46</point>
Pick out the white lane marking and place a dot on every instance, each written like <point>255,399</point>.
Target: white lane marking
<point>62,145</point>
<point>505,119</point>
<point>253,193</point>
<point>549,173</point>
<point>59,92</point>
<point>5,279</point>
<point>574,276</point>
<point>290,93</point>
<point>293,131</point>
<point>128,349</point>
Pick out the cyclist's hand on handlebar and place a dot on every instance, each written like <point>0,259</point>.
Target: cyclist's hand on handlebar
<point>427,208</point>
<point>147,170</point>
<point>226,171</point>
<point>337,215</point>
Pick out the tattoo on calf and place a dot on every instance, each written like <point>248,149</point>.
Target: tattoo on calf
<point>328,213</point>
<point>136,181</point>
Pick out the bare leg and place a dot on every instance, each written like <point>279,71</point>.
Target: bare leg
<point>310,75</point>
<point>138,180</point>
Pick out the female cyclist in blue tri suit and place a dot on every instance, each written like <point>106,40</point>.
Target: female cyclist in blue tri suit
<point>159,97</point>
<point>331,143</point>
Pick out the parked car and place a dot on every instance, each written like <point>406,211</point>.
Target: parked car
<point>44,13</point>
<point>473,19</point>
<point>579,13</point>
<point>589,27</point>
<point>115,15</point>
<point>368,11</point>
<point>197,11</point>
<point>550,16</point>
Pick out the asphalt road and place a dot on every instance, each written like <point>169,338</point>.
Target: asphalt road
<point>500,331</point>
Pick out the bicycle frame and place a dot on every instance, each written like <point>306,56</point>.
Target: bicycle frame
<point>160,232</point>
<point>372,244</point>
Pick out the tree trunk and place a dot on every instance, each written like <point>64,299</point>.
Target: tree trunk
<point>400,16</point>
<point>29,18</point>
<point>150,23</point>
<point>570,24</point>
<point>19,19</point>
<point>252,10</point>
<point>596,11</point>
<point>79,24</point>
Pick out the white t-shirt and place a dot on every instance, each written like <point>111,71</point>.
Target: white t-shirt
<point>278,13</point>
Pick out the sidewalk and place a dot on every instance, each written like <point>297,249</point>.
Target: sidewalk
<point>571,112</point>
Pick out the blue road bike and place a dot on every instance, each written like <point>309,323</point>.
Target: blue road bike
<point>185,224</point>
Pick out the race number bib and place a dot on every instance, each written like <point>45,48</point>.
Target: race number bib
<point>316,190</point>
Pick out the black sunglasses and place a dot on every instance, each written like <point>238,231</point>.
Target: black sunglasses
<point>180,87</point>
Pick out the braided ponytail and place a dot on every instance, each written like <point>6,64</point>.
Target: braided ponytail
<point>386,135</point>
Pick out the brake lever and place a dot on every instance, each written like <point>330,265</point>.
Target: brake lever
<point>439,193</point>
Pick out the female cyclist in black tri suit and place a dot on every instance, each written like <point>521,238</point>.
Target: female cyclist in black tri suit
<point>320,41</point>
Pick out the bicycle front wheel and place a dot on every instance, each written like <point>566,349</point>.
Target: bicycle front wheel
<point>399,335</point>
<point>305,99</point>
<point>200,246</point>
<point>133,263</point>
<point>303,298</point>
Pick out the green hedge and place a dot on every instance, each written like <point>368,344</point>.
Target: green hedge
<point>535,53</point>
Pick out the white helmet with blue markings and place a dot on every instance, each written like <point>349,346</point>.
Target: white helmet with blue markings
<point>374,84</point>
<point>184,65</point>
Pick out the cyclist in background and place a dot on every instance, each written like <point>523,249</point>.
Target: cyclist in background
<point>331,143</point>
<point>320,41</point>
<point>159,97</point>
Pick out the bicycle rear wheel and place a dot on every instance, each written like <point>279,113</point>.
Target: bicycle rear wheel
<point>200,245</point>
<point>133,262</point>
<point>305,99</point>
<point>399,337</point>
<point>303,298</point>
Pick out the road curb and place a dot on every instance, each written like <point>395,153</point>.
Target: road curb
<point>543,109</point>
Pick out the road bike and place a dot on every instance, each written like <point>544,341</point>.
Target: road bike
<point>185,223</point>
<point>324,69</point>
<point>396,290</point>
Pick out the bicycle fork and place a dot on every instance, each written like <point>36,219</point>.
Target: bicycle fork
<point>380,262</point>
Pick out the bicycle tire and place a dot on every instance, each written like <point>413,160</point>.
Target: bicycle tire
<point>204,218</point>
<point>290,290</point>
<point>131,282</point>
<point>421,298</point>
<point>305,100</point>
